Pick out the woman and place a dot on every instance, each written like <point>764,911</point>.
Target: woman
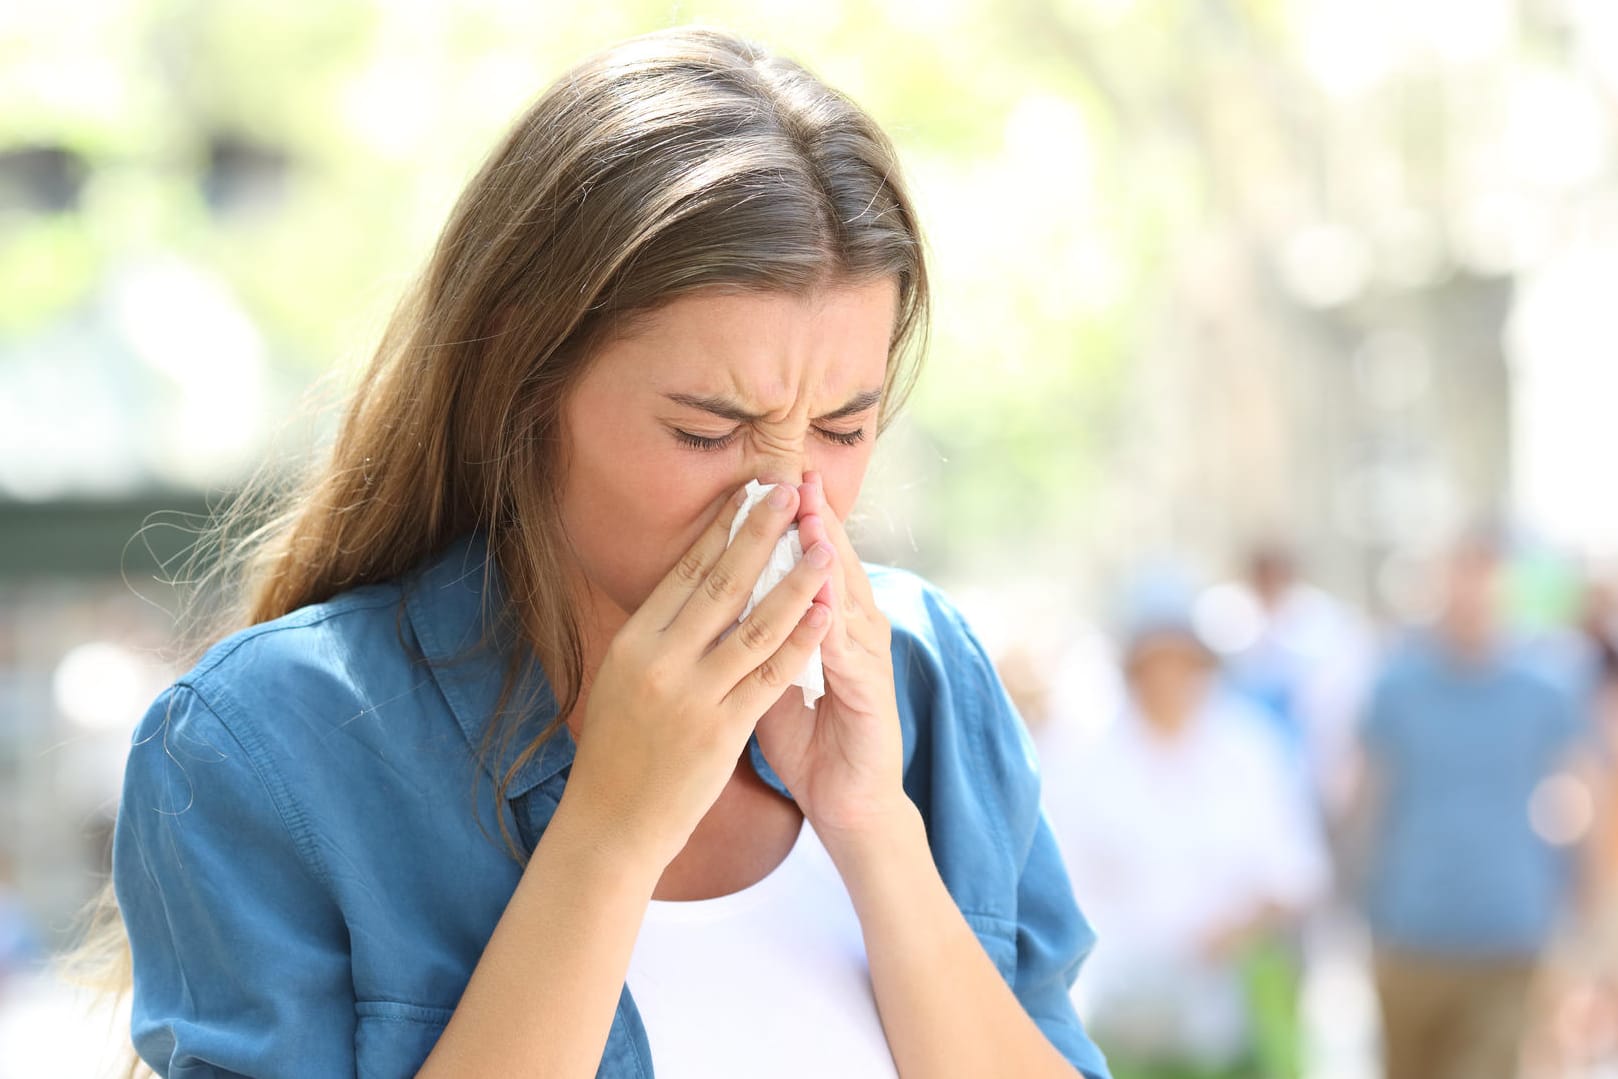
<point>690,265</point>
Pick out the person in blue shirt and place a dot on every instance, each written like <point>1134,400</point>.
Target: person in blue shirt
<point>1470,748</point>
<point>490,780</point>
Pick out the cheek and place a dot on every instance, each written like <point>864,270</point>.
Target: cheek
<point>632,508</point>
<point>656,526</point>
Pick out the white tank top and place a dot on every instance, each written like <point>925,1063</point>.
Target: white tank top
<point>771,980</point>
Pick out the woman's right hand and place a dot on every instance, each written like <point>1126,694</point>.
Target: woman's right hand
<point>669,712</point>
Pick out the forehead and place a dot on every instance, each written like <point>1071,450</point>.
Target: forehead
<point>761,345</point>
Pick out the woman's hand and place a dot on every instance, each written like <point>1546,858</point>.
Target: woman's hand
<point>843,760</point>
<point>670,711</point>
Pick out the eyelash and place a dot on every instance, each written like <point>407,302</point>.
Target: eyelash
<point>842,438</point>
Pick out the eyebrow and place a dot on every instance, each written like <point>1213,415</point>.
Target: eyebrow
<point>730,410</point>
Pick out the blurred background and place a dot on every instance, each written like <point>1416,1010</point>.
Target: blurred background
<point>1266,436</point>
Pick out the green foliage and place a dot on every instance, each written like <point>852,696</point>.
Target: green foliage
<point>373,115</point>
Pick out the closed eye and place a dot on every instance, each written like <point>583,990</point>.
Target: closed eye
<point>844,438</point>
<point>702,442</point>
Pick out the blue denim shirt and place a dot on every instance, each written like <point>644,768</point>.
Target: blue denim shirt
<point>308,883</point>
<point>1458,867</point>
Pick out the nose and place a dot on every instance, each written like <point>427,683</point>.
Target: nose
<point>792,477</point>
<point>785,467</point>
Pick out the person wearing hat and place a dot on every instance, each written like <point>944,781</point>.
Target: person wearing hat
<point>1192,843</point>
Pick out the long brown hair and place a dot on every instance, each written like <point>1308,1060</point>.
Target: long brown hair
<point>679,160</point>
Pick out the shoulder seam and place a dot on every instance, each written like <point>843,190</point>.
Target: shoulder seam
<point>291,815</point>
<point>264,629</point>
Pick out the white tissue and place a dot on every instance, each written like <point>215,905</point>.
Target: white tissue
<point>788,553</point>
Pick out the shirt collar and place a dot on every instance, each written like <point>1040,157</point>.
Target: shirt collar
<point>455,602</point>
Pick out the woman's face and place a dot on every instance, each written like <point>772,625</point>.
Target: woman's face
<point>709,391</point>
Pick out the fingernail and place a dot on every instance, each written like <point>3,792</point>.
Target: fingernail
<point>819,556</point>
<point>817,615</point>
<point>780,498</point>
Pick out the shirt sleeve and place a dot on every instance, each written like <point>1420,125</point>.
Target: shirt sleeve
<point>1052,940</point>
<point>241,960</point>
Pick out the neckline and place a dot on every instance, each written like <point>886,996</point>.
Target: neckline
<point>717,908</point>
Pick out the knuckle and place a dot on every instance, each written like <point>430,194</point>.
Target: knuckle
<point>719,583</point>
<point>658,678</point>
<point>623,652</point>
<point>688,570</point>
<point>771,675</point>
<point>755,633</point>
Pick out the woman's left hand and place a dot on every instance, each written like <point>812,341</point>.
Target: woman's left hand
<point>843,760</point>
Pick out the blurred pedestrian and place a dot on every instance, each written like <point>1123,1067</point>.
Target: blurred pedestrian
<point>1299,653</point>
<point>1187,835</point>
<point>1468,748</point>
